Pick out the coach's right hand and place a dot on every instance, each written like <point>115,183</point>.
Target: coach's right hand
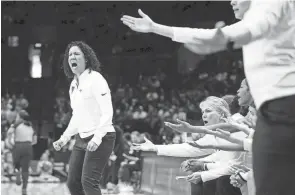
<point>59,144</point>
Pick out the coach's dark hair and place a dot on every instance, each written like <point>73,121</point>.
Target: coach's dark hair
<point>91,60</point>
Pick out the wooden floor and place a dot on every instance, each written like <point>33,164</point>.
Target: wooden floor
<point>41,189</point>
<point>35,189</point>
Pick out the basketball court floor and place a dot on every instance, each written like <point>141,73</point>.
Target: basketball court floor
<point>45,189</point>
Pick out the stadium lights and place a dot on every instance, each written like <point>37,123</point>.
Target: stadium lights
<point>38,45</point>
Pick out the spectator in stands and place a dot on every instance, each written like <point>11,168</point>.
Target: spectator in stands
<point>21,102</point>
<point>47,161</point>
<point>8,166</point>
<point>45,168</point>
<point>140,113</point>
<point>176,139</point>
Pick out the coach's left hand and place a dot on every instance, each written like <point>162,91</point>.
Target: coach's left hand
<point>92,146</point>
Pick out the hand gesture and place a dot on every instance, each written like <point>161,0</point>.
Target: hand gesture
<point>92,146</point>
<point>57,145</point>
<point>183,126</point>
<point>146,146</point>
<point>143,24</point>
<point>194,178</point>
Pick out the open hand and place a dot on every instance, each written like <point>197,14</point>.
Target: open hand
<point>146,146</point>
<point>183,126</point>
<point>143,24</point>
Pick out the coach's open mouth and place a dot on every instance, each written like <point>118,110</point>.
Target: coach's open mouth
<point>74,64</point>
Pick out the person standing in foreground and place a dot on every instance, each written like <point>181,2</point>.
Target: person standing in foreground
<point>24,137</point>
<point>91,121</point>
<point>267,34</point>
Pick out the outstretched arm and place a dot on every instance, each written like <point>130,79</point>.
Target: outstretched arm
<point>183,126</point>
<point>208,41</point>
<point>227,136</point>
<point>179,150</point>
<point>229,147</point>
<point>226,147</point>
<point>145,24</point>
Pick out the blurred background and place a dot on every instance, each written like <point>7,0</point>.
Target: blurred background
<point>152,79</point>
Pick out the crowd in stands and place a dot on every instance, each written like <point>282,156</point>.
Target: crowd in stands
<point>10,105</point>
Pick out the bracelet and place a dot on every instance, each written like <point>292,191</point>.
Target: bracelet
<point>205,168</point>
<point>239,174</point>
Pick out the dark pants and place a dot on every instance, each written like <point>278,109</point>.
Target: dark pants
<point>22,155</point>
<point>197,189</point>
<point>219,186</point>
<point>209,187</point>
<point>223,187</point>
<point>86,168</point>
<point>274,148</point>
